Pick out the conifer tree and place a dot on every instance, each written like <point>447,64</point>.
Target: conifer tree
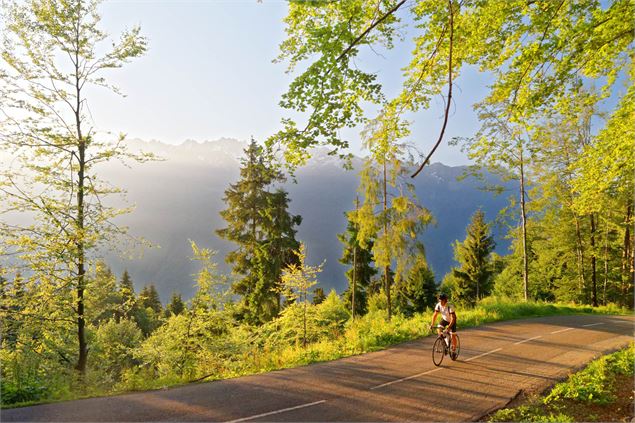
<point>128,305</point>
<point>176,305</point>
<point>259,222</point>
<point>318,296</point>
<point>418,289</point>
<point>149,298</point>
<point>361,271</point>
<point>473,255</point>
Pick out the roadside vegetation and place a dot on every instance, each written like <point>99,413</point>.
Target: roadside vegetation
<point>211,351</point>
<point>602,392</point>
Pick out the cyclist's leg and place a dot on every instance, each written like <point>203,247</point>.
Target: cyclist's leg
<point>453,333</point>
<point>444,323</point>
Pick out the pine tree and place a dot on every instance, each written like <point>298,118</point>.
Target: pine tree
<point>176,305</point>
<point>128,306</point>
<point>318,296</point>
<point>361,271</point>
<point>418,290</point>
<point>149,298</point>
<point>259,222</point>
<point>473,255</point>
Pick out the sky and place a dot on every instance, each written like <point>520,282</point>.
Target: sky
<point>209,74</point>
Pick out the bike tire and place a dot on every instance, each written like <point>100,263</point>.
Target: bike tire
<point>454,355</point>
<point>438,351</point>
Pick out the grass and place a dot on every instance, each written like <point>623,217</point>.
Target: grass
<point>603,391</point>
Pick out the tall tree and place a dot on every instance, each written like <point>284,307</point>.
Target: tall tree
<point>390,213</point>
<point>259,222</point>
<point>52,54</point>
<point>473,276</point>
<point>502,146</point>
<point>360,259</point>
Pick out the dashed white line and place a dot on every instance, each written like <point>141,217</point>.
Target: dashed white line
<point>404,379</point>
<point>527,340</point>
<point>592,324</point>
<point>562,330</point>
<point>484,354</point>
<point>277,411</point>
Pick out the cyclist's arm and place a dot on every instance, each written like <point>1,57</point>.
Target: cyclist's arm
<point>434,317</point>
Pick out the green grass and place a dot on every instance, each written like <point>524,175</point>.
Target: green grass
<point>590,394</point>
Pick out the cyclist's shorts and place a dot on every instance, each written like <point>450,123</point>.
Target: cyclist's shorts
<point>444,323</point>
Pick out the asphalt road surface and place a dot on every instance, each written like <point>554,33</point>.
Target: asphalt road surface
<point>497,361</point>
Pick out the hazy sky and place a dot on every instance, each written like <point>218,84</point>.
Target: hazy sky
<point>209,74</point>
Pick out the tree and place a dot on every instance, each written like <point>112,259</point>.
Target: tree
<point>149,298</point>
<point>418,290</point>
<point>176,305</point>
<point>297,281</point>
<point>259,222</point>
<point>128,296</point>
<point>390,214</point>
<point>360,259</point>
<point>318,296</point>
<point>473,255</point>
<point>536,51</point>
<point>51,55</point>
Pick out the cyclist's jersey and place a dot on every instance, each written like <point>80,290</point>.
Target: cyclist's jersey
<point>445,311</point>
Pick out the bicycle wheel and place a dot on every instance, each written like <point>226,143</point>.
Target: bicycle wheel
<point>438,351</point>
<point>455,354</point>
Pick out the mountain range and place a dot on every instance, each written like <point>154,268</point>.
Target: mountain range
<point>179,198</point>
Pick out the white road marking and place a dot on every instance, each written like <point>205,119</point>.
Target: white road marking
<point>277,412</point>
<point>405,378</point>
<point>527,340</point>
<point>592,324</point>
<point>562,330</point>
<point>484,354</point>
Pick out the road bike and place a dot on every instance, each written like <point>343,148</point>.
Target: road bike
<point>443,346</point>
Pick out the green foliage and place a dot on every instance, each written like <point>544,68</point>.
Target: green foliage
<point>473,255</point>
<point>418,290</point>
<point>259,222</point>
<point>115,344</point>
<point>360,259</point>
<point>53,53</point>
<point>176,305</point>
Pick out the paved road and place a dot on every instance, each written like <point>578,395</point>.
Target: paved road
<point>399,384</point>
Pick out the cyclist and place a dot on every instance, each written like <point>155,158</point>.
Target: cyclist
<point>448,318</point>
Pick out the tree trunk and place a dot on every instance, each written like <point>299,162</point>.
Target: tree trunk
<point>580,254</point>
<point>606,261</point>
<point>627,262</point>
<point>594,290</point>
<point>523,220</point>
<point>387,267</point>
<point>354,262</point>
<point>82,358</point>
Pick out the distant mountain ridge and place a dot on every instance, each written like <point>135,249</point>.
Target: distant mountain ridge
<point>180,197</point>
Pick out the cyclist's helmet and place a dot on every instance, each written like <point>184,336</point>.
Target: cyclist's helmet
<point>443,296</point>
